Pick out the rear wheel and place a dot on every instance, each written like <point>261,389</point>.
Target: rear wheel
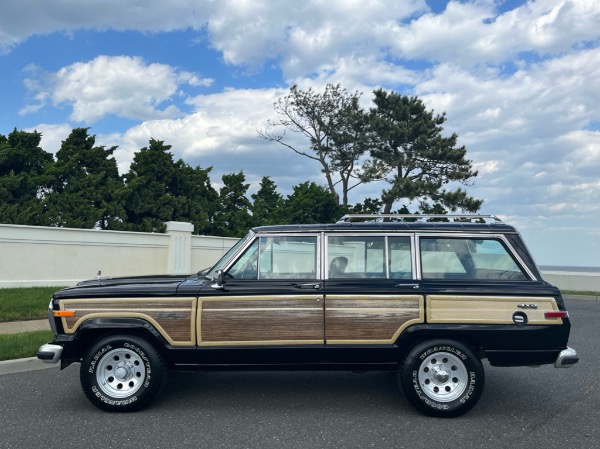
<point>442,378</point>
<point>122,373</point>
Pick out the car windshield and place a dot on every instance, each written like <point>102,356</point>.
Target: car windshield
<point>234,249</point>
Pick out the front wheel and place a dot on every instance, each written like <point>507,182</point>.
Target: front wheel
<point>442,378</point>
<point>121,373</point>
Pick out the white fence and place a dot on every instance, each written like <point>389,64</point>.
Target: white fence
<point>42,256</point>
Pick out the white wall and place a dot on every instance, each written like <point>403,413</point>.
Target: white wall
<point>576,281</point>
<point>37,256</point>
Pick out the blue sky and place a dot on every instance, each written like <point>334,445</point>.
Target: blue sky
<point>518,80</point>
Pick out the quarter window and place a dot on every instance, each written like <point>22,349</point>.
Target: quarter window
<point>467,258</point>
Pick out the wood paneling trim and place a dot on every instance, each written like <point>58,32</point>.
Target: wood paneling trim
<point>362,319</point>
<point>260,320</point>
<point>488,309</point>
<point>173,318</point>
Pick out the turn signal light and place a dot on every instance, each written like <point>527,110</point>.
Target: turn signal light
<point>556,314</point>
<point>61,313</point>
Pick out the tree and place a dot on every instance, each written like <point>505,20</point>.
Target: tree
<point>149,198</point>
<point>335,127</point>
<point>24,180</point>
<point>410,153</point>
<point>86,186</point>
<point>267,204</point>
<point>197,199</point>
<point>311,203</point>
<point>233,218</point>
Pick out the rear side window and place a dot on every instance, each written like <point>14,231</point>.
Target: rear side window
<point>357,257</point>
<point>467,258</point>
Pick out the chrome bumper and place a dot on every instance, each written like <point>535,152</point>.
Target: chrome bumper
<point>49,353</point>
<point>566,359</point>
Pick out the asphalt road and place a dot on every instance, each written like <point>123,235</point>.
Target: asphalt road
<point>520,408</point>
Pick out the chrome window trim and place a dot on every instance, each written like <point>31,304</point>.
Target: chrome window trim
<point>518,260</point>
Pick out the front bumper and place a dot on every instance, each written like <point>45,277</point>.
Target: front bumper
<point>49,353</point>
<point>566,359</point>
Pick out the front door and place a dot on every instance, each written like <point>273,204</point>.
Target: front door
<point>269,309</point>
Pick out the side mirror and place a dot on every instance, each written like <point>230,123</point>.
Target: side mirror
<point>218,280</point>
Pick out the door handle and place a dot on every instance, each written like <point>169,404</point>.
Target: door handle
<point>415,286</point>
<point>309,286</point>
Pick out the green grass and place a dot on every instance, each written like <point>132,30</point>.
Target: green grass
<point>25,303</point>
<point>584,293</point>
<point>25,344</point>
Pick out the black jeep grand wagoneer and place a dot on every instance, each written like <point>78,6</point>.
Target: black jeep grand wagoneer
<point>425,296</point>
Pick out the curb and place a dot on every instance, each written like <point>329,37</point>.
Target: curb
<point>23,365</point>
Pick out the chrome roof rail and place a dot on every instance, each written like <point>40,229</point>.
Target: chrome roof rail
<point>454,218</point>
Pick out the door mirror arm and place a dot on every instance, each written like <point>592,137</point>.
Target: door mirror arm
<point>218,280</point>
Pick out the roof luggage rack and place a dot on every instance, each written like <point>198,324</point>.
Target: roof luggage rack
<point>453,218</point>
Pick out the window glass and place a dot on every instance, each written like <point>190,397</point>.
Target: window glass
<point>400,257</point>
<point>246,267</point>
<point>278,258</point>
<point>356,257</point>
<point>467,258</point>
<point>288,257</point>
<point>366,257</point>
<point>225,258</point>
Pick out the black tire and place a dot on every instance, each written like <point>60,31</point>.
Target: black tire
<point>443,378</point>
<point>122,373</point>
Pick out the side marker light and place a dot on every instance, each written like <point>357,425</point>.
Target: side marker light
<point>63,313</point>
<point>556,314</point>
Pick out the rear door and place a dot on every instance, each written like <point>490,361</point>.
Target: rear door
<point>371,295</point>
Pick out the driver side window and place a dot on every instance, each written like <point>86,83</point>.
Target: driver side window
<point>278,257</point>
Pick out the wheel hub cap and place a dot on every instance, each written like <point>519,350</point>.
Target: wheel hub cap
<point>120,373</point>
<point>443,377</point>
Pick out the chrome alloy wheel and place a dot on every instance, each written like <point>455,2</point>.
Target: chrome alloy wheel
<point>120,373</point>
<point>443,377</point>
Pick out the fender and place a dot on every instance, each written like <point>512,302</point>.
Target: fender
<point>93,328</point>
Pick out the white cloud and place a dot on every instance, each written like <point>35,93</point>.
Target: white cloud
<point>470,33</point>
<point>221,133</point>
<point>20,19</point>
<point>52,135</point>
<point>120,85</point>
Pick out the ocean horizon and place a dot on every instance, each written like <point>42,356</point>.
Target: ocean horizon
<point>569,269</point>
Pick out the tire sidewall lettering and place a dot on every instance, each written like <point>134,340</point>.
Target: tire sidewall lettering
<point>97,357</point>
<point>419,395</point>
<point>113,402</point>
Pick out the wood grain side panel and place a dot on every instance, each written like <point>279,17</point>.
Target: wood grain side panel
<point>353,319</point>
<point>174,318</point>
<point>264,320</point>
<point>487,309</point>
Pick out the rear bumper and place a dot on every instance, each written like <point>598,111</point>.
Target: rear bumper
<point>49,353</point>
<point>566,359</point>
